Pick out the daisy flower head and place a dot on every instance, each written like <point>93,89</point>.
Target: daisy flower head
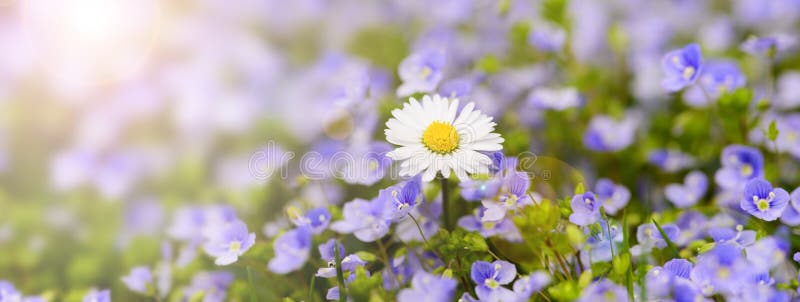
<point>435,137</point>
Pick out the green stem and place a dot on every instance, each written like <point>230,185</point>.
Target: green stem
<point>446,205</point>
<point>339,273</point>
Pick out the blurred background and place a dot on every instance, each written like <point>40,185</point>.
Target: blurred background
<point>116,113</point>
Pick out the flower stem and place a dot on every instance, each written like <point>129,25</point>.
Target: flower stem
<point>339,273</point>
<point>446,205</point>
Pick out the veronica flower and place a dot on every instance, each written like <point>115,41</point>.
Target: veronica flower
<point>585,209</point>
<point>613,197</point>
<point>434,137</point>
<point>721,270</point>
<point>480,188</point>
<point>555,99</point>
<point>791,215</point>
<point>139,279</point>
<point>682,67</point>
<point>689,193</point>
<point>769,46</point>
<point>661,279</point>
<point>229,243</point>
<point>788,139</point>
<point>603,290</point>
<point>788,93</point>
<point>516,196</point>
<point>767,253</point>
<point>504,228</point>
<point>649,237</point>
<point>738,237</point>
<point>692,225</point>
<point>97,296</point>
<point>459,87</point>
<point>762,201</point>
<point>547,37</point>
<point>291,251</point>
<point>490,278</point>
<point>213,286</point>
<point>428,287</point>
<point>670,160</point>
<point>427,215</point>
<point>606,134</point>
<point>421,71</point>
<point>316,219</point>
<point>8,292</point>
<point>601,242</point>
<point>526,286</point>
<point>717,78</point>
<point>402,197</point>
<point>367,220</point>
<point>739,165</point>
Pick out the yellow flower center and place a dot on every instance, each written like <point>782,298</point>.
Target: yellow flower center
<point>235,246</point>
<point>763,205</point>
<point>746,170</point>
<point>440,137</point>
<point>688,72</point>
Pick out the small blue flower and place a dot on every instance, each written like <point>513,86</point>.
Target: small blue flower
<point>504,228</point>
<point>316,219</point>
<point>547,37</point>
<point>612,196</point>
<point>367,220</point>
<point>98,296</point>
<point>228,244</point>
<point>428,287</point>
<point>490,278</point>
<point>739,236</point>
<point>601,242</point>
<point>139,279</point>
<point>606,134</point>
<point>603,290</point>
<point>739,165</point>
<point>670,160</point>
<point>682,67</point>
<point>291,251</point>
<point>649,237</point>
<point>718,77</point>
<point>689,193</point>
<point>8,292</point>
<point>769,46</point>
<point>660,280</point>
<point>212,285</point>
<point>555,98</point>
<point>762,201</point>
<point>402,198</point>
<point>585,209</point>
<point>526,286</point>
<point>515,188</point>
<point>721,270</point>
<point>421,71</point>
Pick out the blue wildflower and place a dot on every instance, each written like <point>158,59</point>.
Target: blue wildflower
<point>649,237</point>
<point>739,236</point>
<point>402,198</point>
<point>717,78</point>
<point>547,37</point>
<point>721,270</point>
<point>367,220</point>
<point>585,209</point>
<point>603,290</point>
<point>739,165</point>
<point>8,292</point>
<point>602,242</point>
<point>291,251</point>
<point>791,215</point>
<point>427,215</point>
<point>689,193</point>
<point>229,243</point>
<point>526,286</point>
<point>555,98</point>
<point>212,285</point>
<point>515,196</point>
<point>98,296</point>
<point>606,134</point>
<point>316,219</point>
<point>768,46</point>
<point>139,279</point>
<point>504,228</point>
<point>670,160</point>
<point>490,278</point>
<point>421,72</point>
<point>428,287</point>
<point>682,67</point>
<point>612,196</point>
<point>762,201</point>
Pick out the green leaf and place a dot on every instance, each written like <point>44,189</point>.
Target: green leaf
<point>252,286</point>
<point>565,291</point>
<point>772,131</point>
<point>670,245</point>
<point>580,189</point>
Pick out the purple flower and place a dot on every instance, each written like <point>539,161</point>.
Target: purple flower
<point>8,292</point>
<point>585,209</point>
<point>98,296</point>
<point>717,77</point>
<point>526,286</point>
<point>682,66</point>
<point>767,253</point>
<point>788,91</point>
<point>555,99</point>
<point>316,219</point>
<point>602,242</point>
<point>367,220</point>
<point>721,270</point>
<point>516,196</point>
<point>606,134</point>
<point>689,193</point>
<point>738,237</point>
<point>791,215</point>
<point>212,285</point>
<point>229,243</point>
<point>768,46</point>
<point>490,278</point>
<point>402,197</point>
<point>428,287</point>
<point>139,279</point>
<point>421,71</point>
<point>649,237</point>
<point>291,251</point>
<point>547,37</point>
<point>660,280</point>
<point>613,197</point>
<point>427,215</point>
<point>739,165</point>
<point>762,201</point>
<point>603,290</point>
<point>670,160</point>
<point>503,228</point>
<point>789,132</point>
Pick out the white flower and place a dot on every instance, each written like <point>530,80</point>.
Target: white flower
<point>433,137</point>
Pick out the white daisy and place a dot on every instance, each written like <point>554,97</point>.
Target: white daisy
<point>434,137</point>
